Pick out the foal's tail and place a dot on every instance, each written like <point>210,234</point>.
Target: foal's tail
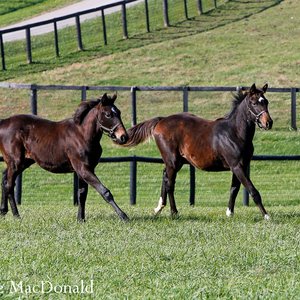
<point>140,132</point>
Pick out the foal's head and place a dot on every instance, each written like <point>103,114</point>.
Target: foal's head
<point>109,119</point>
<point>258,107</point>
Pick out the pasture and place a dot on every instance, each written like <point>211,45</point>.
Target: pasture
<point>201,254</point>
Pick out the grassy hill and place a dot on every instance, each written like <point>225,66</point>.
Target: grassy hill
<point>201,254</point>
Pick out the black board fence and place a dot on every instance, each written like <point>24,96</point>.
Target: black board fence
<point>133,160</point>
<point>103,9</point>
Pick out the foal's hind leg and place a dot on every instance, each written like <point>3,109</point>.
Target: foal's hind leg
<point>235,187</point>
<point>8,184</point>
<point>4,198</point>
<point>171,180</point>
<point>15,168</point>
<point>168,185</point>
<point>163,195</point>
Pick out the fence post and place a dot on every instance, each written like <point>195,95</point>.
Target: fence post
<point>124,21</point>
<point>75,177</point>
<point>215,3</point>
<point>28,45</point>
<point>83,93</point>
<point>33,99</point>
<point>78,29</point>
<point>33,103</point>
<point>200,8</point>
<point>56,39</point>
<point>2,52</point>
<point>186,99</point>
<point>133,173</point>
<point>293,108</point>
<point>104,27</point>
<point>185,9</point>
<point>147,16</point>
<point>133,105</point>
<point>166,13</point>
<point>192,168</point>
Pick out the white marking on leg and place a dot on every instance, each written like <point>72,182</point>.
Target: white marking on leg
<point>229,213</point>
<point>159,207</point>
<point>267,217</point>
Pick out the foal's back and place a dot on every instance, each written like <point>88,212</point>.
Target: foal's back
<point>188,136</point>
<point>34,138</point>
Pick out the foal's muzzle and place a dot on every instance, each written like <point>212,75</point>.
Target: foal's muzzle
<point>265,121</point>
<point>119,136</point>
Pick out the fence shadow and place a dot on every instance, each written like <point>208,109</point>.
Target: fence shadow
<point>230,12</point>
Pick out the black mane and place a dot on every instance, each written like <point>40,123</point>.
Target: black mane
<point>83,110</point>
<point>237,100</point>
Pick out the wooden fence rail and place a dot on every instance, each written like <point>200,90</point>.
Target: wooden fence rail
<point>133,160</point>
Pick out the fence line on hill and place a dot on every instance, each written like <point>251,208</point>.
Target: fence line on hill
<point>133,160</point>
<point>122,4</point>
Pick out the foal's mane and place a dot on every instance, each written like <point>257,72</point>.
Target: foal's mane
<point>237,100</point>
<point>83,110</point>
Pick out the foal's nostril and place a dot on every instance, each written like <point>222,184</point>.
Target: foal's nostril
<point>124,138</point>
<point>269,124</point>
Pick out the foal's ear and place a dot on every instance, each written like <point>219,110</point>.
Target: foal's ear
<point>103,98</point>
<point>252,89</point>
<point>107,100</point>
<point>114,97</point>
<point>265,87</point>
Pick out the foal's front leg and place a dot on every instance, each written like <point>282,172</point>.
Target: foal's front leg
<point>91,179</point>
<point>82,194</point>
<point>245,180</point>
<point>234,190</point>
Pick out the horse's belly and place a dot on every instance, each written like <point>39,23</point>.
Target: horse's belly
<point>50,163</point>
<point>207,162</point>
<point>56,168</point>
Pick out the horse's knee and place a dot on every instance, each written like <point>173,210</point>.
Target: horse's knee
<point>107,195</point>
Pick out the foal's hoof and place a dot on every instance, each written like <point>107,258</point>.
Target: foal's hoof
<point>80,221</point>
<point>229,213</point>
<point>124,217</point>
<point>174,214</point>
<point>158,210</point>
<point>17,216</point>
<point>3,212</point>
<point>267,217</point>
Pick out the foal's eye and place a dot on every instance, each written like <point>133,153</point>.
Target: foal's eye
<point>108,115</point>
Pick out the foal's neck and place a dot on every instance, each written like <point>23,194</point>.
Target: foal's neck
<point>245,126</point>
<point>89,126</point>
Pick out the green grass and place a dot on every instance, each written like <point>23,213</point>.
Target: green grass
<point>201,254</point>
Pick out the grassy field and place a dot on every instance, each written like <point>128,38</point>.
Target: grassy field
<point>201,254</point>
